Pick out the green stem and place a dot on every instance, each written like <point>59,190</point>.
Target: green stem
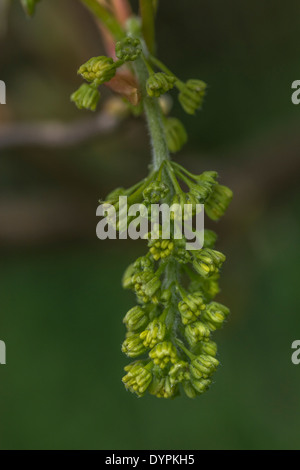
<point>147,14</point>
<point>154,118</point>
<point>161,66</point>
<point>180,344</point>
<point>106,17</point>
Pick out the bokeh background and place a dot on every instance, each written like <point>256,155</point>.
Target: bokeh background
<point>61,299</point>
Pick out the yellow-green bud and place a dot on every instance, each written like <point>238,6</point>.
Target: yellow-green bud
<point>191,308</point>
<point>210,348</point>
<point>189,389</point>
<point>86,97</point>
<point>163,353</point>
<point>196,332</point>
<point>147,286</point>
<point>159,83</point>
<point>201,386</point>
<point>155,192</point>
<point>203,366</point>
<point>136,319</point>
<point>128,277</point>
<point>205,185</point>
<point>163,388</point>
<point>98,70</point>
<point>218,202</point>
<point>191,95</point>
<point>179,372</point>
<point>215,315</point>
<point>138,378</point>
<point>161,249</point>
<point>207,262</point>
<point>176,134</point>
<point>129,49</point>
<point>133,346</point>
<point>154,333</point>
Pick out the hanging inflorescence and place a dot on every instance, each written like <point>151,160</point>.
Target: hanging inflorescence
<point>169,330</point>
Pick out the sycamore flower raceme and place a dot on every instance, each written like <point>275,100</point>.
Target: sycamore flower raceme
<point>170,328</point>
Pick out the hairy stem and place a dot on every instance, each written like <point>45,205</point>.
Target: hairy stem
<point>106,17</point>
<point>154,118</point>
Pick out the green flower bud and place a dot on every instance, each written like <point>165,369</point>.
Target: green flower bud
<point>129,49</point>
<point>196,332</point>
<point>189,389</point>
<point>215,315</point>
<point>138,377</point>
<point>86,97</point>
<point>128,277</point>
<point>144,263</point>
<point>155,192</point>
<point>154,333</point>
<point>159,83</point>
<point>191,95</point>
<point>179,372</point>
<point>209,348</point>
<point>191,308</point>
<point>180,253</point>
<point>176,135</point>
<point>136,319</point>
<point>205,185</point>
<point>163,353</point>
<point>207,262</point>
<point>161,249</point>
<point>147,286</point>
<point>203,366</point>
<point>29,6</point>
<point>164,388</point>
<point>218,202</point>
<point>98,69</point>
<point>133,346</point>
<point>201,386</point>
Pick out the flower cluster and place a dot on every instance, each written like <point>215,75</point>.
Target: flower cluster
<point>100,70</point>
<point>170,329</point>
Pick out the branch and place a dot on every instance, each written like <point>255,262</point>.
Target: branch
<point>109,21</point>
<point>147,14</point>
<point>56,134</point>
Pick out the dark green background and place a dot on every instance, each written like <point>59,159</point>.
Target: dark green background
<point>61,299</point>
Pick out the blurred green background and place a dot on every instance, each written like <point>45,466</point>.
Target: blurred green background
<point>61,300</point>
